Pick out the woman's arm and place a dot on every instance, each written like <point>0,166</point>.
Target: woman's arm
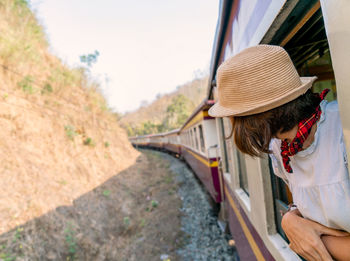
<point>338,247</point>
<point>305,236</point>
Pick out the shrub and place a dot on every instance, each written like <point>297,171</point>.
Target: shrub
<point>26,84</point>
<point>89,142</point>
<point>70,131</point>
<point>47,88</point>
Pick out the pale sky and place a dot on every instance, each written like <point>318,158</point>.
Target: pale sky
<point>146,46</point>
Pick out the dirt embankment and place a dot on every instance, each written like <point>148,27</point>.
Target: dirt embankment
<point>134,215</point>
<point>58,139</point>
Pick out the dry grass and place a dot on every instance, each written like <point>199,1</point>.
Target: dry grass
<point>132,216</point>
<point>43,168</point>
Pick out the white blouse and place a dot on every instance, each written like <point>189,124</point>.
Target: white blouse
<point>320,180</point>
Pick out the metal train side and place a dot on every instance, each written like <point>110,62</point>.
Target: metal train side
<point>317,37</point>
<point>172,142</point>
<point>199,149</point>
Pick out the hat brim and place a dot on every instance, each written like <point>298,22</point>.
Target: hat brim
<point>219,111</point>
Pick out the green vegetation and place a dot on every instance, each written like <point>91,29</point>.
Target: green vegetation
<point>7,254</point>
<point>7,257</point>
<point>142,222</point>
<point>70,131</point>
<point>71,242</point>
<point>26,84</point>
<point>89,59</point>
<point>17,235</point>
<point>126,221</point>
<point>106,193</point>
<point>89,142</point>
<point>47,88</point>
<point>154,203</point>
<point>176,114</point>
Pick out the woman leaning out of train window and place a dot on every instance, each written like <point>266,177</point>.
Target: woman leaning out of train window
<point>274,111</point>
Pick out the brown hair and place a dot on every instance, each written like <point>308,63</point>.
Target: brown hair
<point>253,133</point>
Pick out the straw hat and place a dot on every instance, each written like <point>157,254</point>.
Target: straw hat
<point>257,79</point>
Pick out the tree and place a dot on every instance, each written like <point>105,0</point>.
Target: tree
<point>89,59</point>
<point>177,112</point>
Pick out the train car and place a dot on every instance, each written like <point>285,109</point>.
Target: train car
<point>316,35</point>
<point>156,141</point>
<point>172,142</point>
<point>200,148</point>
<point>140,141</point>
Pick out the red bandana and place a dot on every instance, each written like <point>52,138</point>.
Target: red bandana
<point>290,149</point>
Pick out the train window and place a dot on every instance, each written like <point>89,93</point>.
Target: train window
<point>322,68</point>
<point>191,139</point>
<point>229,144</point>
<point>195,138</point>
<point>235,159</point>
<point>242,172</point>
<point>230,158</point>
<point>223,144</point>
<point>201,138</point>
<point>282,198</point>
<point>188,139</point>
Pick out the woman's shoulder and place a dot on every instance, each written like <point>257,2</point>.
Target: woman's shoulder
<point>329,127</point>
<point>332,107</point>
<point>331,113</point>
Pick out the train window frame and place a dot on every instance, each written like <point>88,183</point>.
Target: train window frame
<point>188,139</point>
<point>201,138</point>
<point>240,192</point>
<point>242,172</point>
<point>196,138</point>
<point>235,161</point>
<point>191,138</point>
<point>223,163</point>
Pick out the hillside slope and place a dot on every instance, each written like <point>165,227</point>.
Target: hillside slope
<point>159,115</point>
<point>58,139</point>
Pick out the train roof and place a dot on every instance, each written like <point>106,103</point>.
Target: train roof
<point>171,132</point>
<point>223,21</point>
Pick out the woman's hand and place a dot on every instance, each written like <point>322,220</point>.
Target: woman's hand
<point>305,236</point>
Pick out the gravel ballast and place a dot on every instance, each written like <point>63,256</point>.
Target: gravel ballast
<point>203,240</point>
